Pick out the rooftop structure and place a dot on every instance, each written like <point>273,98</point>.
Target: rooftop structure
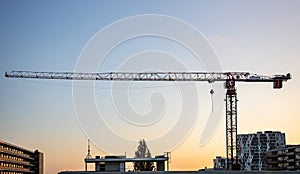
<point>117,163</point>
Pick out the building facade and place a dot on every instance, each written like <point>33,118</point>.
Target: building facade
<point>285,158</point>
<point>220,163</point>
<point>252,148</point>
<point>18,160</point>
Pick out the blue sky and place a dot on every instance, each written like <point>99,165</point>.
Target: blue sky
<point>255,36</point>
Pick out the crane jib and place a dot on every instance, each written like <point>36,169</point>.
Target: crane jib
<point>151,76</point>
<point>154,76</point>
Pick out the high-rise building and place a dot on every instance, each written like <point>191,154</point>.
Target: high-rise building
<point>285,158</point>
<point>18,160</point>
<point>252,148</point>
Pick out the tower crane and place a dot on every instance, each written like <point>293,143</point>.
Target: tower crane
<point>230,78</point>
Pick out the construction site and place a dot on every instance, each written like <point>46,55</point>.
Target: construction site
<point>137,86</point>
<point>240,149</point>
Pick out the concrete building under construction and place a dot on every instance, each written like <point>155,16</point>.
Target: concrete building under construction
<point>252,148</point>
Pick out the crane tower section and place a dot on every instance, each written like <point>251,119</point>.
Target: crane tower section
<point>231,125</point>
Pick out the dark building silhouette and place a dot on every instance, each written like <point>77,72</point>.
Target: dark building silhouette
<point>220,163</point>
<point>18,160</point>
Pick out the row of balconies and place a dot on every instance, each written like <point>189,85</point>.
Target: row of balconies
<point>13,151</point>
<point>13,169</point>
<point>3,151</point>
<point>13,157</point>
<point>8,172</point>
<point>289,151</point>
<point>272,161</point>
<point>293,167</point>
<point>283,154</point>
<point>15,161</point>
<point>285,165</point>
<point>9,165</point>
<point>271,155</point>
<point>2,147</point>
<point>282,159</point>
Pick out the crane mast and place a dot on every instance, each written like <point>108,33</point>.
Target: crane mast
<point>230,78</point>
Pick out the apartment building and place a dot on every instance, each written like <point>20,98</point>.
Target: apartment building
<point>18,160</point>
<point>252,148</point>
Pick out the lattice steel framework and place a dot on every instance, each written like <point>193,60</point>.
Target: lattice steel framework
<point>231,126</point>
<point>150,76</point>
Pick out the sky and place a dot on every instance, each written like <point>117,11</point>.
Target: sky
<point>57,117</point>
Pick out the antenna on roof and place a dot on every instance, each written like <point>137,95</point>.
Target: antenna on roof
<point>89,156</point>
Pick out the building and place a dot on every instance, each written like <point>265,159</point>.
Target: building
<point>252,148</point>
<point>117,163</point>
<point>109,164</point>
<point>285,158</point>
<point>220,163</point>
<point>18,160</point>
